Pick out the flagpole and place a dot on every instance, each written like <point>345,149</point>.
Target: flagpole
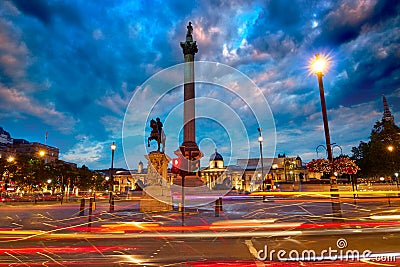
<point>45,144</point>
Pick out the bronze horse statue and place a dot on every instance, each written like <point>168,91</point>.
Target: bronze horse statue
<point>157,133</point>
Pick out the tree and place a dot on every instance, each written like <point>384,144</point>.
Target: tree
<point>373,157</point>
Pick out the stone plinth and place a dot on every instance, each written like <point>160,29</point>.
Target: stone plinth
<point>157,195</point>
<point>190,181</point>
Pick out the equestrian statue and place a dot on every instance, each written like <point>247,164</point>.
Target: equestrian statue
<point>157,133</point>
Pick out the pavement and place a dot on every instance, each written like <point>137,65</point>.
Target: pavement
<point>52,234</point>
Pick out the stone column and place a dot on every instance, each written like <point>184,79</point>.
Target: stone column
<point>189,48</point>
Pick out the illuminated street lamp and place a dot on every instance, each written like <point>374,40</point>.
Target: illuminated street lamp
<point>318,65</point>
<point>390,148</point>
<point>42,153</point>
<point>111,186</point>
<point>10,160</point>
<point>260,140</point>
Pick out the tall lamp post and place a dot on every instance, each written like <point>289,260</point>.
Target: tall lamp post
<point>111,186</point>
<point>391,149</point>
<point>260,140</point>
<point>318,65</point>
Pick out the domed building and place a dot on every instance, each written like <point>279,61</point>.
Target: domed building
<point>216,161</point>
<point>215,175</point>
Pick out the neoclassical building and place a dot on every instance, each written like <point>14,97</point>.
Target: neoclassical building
<point>246,175</point>
<point>216,175</point>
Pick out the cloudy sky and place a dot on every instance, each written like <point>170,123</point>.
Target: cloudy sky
<point>72,67</point>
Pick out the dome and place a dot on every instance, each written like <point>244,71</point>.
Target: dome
<point>216,156</point>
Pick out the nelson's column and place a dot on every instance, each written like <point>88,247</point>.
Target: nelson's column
<point>189,152</point>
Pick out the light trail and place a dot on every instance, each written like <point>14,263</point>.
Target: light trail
<point>326,193</point>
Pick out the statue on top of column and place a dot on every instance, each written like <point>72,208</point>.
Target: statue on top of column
<point>189,31</point>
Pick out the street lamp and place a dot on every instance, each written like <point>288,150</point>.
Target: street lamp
<point>318,65</point>
<point>10,160</point>
<point>390,148</point>
<point>260,140</point>
<point>111,186</point>
<point>42,153</point>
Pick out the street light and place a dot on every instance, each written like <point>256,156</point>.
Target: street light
<point>42,153</point>
<point>111,186</point>
<point>10,159</point>
<point>390,148</point>
<point>318,66</point>
<point>260,140</point>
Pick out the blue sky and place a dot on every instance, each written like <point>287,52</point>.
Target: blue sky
<point>71,68</point>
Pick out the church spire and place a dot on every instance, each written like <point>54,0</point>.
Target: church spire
<point>387,115</point>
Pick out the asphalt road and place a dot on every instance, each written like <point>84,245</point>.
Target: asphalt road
<point>55,235</point>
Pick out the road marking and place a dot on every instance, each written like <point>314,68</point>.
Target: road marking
<point>253,251</point>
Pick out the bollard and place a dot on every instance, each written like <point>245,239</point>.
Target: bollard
<point>179,206</point>
<point>82,208</point>
<point>112,204</point>
<point>220,204</point>
<point>90,212</point>
<point>217,208</point>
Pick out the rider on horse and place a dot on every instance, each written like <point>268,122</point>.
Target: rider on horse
<point>157,133</point>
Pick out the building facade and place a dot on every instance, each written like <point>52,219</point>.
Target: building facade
<point>247,174</point>
<point>34,149</point>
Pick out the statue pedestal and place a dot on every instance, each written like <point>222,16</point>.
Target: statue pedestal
<point>190,181</point>
<point>157,195</point>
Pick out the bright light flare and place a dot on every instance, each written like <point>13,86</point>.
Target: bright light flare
<point>113,146</point>
<point>319,64</point>
<point>10,159</point>
<point>42,153</point>
<point>390,148</point>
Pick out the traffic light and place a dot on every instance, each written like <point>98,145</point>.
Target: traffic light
<point>175,166</point>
